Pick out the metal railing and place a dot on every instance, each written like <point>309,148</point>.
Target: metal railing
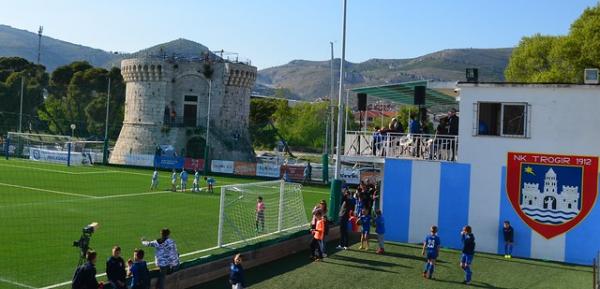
<point>402,145</point>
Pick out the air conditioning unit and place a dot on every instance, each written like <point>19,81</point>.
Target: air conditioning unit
<point>590,76</point>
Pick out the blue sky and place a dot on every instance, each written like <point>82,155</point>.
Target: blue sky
<point>274,32</point>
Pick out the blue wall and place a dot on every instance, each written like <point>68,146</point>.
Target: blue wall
<point>400,188</point>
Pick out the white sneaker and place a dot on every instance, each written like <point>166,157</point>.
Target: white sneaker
<point>339,247</point>
<point>324,255</point>
<point>345,248</point>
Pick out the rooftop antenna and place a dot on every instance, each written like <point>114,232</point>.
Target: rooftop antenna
<point>39,43</point>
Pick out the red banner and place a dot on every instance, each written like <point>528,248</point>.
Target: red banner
<point>193,164</point>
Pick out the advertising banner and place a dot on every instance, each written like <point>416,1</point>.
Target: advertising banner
<point>168,162</point>
<point>224,167</point>
<point>350,176</point>
<point>294,173</point>
<point>193,164</point>
<point>267,170</point>
<point>245,169</point>
<point>139,160</point>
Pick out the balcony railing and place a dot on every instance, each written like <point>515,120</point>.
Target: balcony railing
<point>401,145</point>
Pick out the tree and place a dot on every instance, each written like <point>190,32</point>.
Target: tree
<point>542,58</point>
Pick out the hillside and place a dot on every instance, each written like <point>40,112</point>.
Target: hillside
<point>22,43</point>
<point>304,79</point>
<point>311,79</point>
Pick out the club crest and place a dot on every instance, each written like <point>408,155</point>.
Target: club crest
<point>551,193</point>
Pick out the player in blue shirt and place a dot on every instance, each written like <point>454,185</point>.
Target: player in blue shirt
<point>154,184</point>
<point>431,246</point>
<point>174,181</point>
<point>196,183</point>
<point>365,221</point>
<point>211,183</point>
<point>468,251</point>
<point>184,179</point>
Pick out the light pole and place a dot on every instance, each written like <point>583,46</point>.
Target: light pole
<point>73,130</point>
<point>105,152</point>
<point>336,185</point>
<point>21,105</point>
<point>206,162</point>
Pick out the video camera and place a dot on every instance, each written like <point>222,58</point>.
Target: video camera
<point>84,241</point>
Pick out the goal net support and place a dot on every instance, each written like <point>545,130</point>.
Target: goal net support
<point>241,224</point>
<point>53,148</point>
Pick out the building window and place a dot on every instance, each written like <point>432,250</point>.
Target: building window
<point>501,119</point>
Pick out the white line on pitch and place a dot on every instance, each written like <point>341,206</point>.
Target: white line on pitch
<point>16,283</point>
<point>58,171</point>
<point>48,191</point>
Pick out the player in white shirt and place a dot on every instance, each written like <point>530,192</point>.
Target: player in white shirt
<point>196,183</point>
<point>154,185</point>
<point>174,181</point>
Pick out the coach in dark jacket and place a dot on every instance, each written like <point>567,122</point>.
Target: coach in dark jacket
<point>85,275</point>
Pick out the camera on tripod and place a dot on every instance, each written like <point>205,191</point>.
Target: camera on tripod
<point>84,241</point>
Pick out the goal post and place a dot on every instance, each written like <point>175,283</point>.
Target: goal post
<point>53,149</point>
<point>240,223</point>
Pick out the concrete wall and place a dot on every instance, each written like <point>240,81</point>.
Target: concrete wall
<point>563,120</point>
<point>419,194</point>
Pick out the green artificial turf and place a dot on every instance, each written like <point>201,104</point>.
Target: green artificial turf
<point>401,268</point>
<point>43,208</point>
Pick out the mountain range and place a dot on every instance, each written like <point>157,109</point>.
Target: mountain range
<point>301,79</point>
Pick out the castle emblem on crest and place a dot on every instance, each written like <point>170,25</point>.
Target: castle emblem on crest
<point>549,206</point>
<point>551,193</point>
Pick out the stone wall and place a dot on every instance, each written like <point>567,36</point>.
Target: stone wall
<point>153,85</point>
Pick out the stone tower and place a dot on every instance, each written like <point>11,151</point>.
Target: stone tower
<point>166,103</point>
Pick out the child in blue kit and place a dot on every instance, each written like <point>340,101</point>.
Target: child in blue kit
<point>431,246</point>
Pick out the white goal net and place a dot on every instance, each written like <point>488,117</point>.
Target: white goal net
<point>241,221</point>
<point>53,148</point>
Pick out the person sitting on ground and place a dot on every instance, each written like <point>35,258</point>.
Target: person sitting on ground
<point>166,255</point>
<point>236,273</point>
<point>115,269</point>
<point>138,270</point>
<point>85,275</point>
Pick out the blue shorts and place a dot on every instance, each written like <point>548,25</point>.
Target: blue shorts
<point>365,232</point>
<point>432,255</point>
<point>466,259</point>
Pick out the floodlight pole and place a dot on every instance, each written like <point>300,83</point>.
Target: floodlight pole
<point>338,152</point>
<point>21,105</point>
<point>331,102</point>
<point>336,185</point>
<point>105,153</point>
<point>206,143</point>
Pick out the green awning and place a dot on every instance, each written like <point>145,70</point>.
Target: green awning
<point>403,93</point>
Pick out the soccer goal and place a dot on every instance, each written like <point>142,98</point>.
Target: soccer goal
<point>53,148</point>
<point>239,222</point>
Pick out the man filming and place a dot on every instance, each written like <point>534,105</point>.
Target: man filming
<point>85,275</point>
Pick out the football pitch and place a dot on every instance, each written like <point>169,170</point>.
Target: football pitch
<point>43,208</point>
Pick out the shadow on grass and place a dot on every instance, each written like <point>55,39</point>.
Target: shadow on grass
<point>472,285</point>
<point>411,257</point>
<point>364,262</point>
<point>540,263</point>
